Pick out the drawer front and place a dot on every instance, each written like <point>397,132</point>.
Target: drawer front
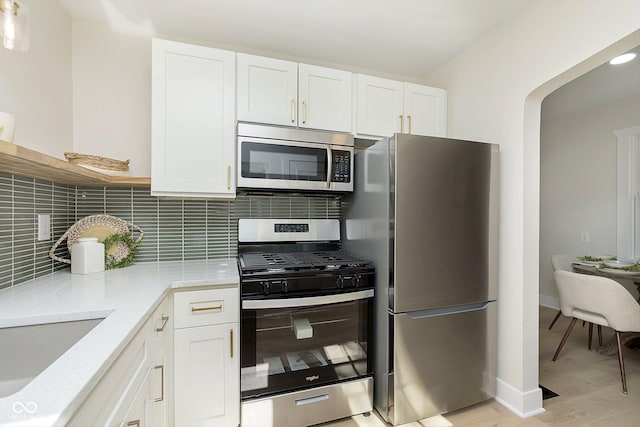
<point>158,326</point>
<point>206,307</point>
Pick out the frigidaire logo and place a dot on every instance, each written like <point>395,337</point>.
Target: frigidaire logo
<point>313,378</point>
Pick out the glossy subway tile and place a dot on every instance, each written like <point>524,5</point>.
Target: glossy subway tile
<point>174,229</point>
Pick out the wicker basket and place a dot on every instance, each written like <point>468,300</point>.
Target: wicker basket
<point>100,226</point>
<point>97,161</point>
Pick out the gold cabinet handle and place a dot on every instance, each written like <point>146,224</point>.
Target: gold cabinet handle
<point>293,111</point>
<point>164,319</point>
<point>161,398</point>
<point>231,342</point>
<point>401,123</point>
<point>409,118</point>
<point>304,112</point>
<point>135,423</point>
<point>228,177</point>
<point>197,309</point>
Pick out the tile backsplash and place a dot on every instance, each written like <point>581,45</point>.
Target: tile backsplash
<point>174,229</point>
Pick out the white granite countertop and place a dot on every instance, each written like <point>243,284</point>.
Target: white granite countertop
<point>123,297</point>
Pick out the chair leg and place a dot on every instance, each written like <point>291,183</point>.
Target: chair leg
<point>564,338</point>
<point>600,335</point>
<point>555,319</point>
<point>590,335</point>
<point>621,363</point>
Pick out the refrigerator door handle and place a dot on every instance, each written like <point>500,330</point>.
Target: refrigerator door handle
<point>448,310</point>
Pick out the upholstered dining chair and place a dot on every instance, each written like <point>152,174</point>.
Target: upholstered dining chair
<point>561,262</point>
<point>598,300</point>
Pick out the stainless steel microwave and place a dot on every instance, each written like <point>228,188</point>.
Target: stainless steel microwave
<point>290,159</point>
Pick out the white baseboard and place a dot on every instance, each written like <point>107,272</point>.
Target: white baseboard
<point>551,302</point>
<point>524,404</point>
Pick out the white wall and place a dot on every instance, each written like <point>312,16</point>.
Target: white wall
<point>495,89</point>
<point>578,183</point>
<point>35,86</point>
<point>112,95</point>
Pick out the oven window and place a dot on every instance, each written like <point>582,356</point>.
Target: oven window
<point>269,161</point>
<point>295,348</point>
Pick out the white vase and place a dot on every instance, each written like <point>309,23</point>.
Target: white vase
<point>7,126</point>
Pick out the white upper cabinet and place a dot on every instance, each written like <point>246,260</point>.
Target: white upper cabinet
<point>425,110</point>
<point>286,93</point>
<point>267,90</point>
<point>385,107</point>
<point>193,121</point>
<point>379,106</point>
<point>324,98</point>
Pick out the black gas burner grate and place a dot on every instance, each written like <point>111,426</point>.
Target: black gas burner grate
<point>297,260</point>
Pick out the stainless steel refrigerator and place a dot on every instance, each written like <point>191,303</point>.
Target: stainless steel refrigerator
<point>425,209</point>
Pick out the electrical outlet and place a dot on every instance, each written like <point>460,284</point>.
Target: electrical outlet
<point>585,237</point>
<point>44,227</point>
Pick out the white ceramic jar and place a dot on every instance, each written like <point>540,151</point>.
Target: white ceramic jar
<point>87,256</point>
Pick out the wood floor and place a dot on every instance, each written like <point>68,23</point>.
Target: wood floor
<point>588,385</point>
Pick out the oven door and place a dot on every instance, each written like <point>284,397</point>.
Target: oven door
<point>290,165</point>
<point>296,343</point>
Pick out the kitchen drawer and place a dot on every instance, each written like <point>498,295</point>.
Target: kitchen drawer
<point>159,325</point>
<point>206,307</point>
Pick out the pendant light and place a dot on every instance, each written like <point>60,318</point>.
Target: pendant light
<point>14,25</point>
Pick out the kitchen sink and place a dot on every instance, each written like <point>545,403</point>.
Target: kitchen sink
<point>26,351</point>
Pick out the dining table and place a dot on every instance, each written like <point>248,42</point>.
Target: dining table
<point>630,339</point>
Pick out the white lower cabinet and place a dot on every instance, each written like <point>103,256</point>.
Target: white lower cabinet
<point>148,408</point>
<point>131,393</point>
<point>206,376</point>
<point>206,358</point>
<point>179,370</point>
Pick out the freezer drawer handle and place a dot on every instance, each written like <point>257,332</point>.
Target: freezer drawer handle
<point>312,399</point>
<point>448,310</point>
<point>306,301</point>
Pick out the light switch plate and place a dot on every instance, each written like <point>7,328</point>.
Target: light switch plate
<point>44,227</point>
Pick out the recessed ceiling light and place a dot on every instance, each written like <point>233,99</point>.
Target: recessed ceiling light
<point>622,58</point>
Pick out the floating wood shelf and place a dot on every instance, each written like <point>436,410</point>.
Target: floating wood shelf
<point>19,160</point>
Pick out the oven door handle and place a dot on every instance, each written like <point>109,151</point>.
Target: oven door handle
<point>257,304</point>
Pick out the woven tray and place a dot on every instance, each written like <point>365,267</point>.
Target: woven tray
<point>100,226</point>
<point>97,161</point>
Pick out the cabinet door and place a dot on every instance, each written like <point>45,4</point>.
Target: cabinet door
<point>148,408</point>
<point>324,98</point>
<point>193,121</point>
<point>136,416</point>
<point>157,392</point>
<point>267,90</point>
<point>207,376</point>
<point>425,110</point>
<point>379,106</point>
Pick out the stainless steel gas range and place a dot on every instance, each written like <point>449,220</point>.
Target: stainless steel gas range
<point>306,324</point>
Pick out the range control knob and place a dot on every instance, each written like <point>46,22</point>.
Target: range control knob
<point>266,287</point>
<point>340,282</point>
<point>356,279</point>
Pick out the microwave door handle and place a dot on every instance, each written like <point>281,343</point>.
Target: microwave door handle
<point>256,304</point>
<point>329,166</point>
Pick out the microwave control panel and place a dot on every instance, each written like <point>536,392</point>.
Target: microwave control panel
<point>341,166</point>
